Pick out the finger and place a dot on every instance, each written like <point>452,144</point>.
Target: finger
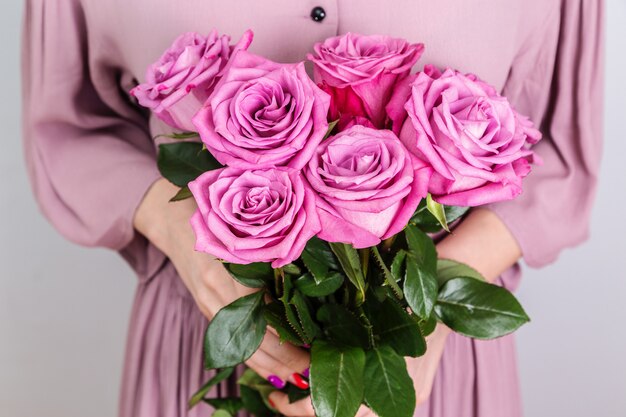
<point>209,300</point>
<point>364,412</point>
<point>270,369</point>
<point>272,330</point>
<point>301,407</point>
<point>281,363</point>
<point>275,333</point>
<point>293,357</point>
<point>275,371</point>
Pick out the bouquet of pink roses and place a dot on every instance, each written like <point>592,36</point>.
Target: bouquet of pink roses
<point>321,194</point>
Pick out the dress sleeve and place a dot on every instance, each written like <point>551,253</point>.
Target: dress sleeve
<point>557,79</point>
<point>89,156</point>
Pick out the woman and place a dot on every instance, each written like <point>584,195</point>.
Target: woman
<point>92,165</point>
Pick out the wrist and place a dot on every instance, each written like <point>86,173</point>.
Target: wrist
<point>439,335</point>
<point>156,217</point>
<point>483,242</point>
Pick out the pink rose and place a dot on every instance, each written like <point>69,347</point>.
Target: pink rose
<point>363,70</point>
<point>475,142</point>
<point>366,184</point>
<point>262,114</point>
<point>265,215</point>
<point>346,107</point>
<point>178,84</point>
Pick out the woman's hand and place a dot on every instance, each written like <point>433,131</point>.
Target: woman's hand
<point>304,408</point>
<point>483,242</point>
<point>167,226</point>
<point>423,370</point>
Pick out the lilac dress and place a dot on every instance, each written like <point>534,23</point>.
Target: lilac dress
<point>91,158</point>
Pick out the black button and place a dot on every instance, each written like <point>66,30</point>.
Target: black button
<point>318,14</point>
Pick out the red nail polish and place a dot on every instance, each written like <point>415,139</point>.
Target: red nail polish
<point>269,400</point>
<point>299,381</point>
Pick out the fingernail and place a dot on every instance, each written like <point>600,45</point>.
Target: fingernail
<point>305,373</point>
<point>269,400</point>
<point>299,381</point>
<point>306,346</point>
<point>276,381</point>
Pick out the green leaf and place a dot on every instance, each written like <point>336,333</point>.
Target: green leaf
<point>349,259</point>
<point>454,213</point>
<point>321,249</point>
<point>437,211</point>
<point>317,267</point>
<point>292,269</point>
<point>420,288</point>
<point>331,127</point>
<point>183,162</point>
<point>477,309</point>
<point>382,293</point>
<point>255,391</point>
<point>420,282</point>
<point>429,223</point>
<point>254,275</point>
<point>341,326</point>
<point>290,313</point>
<point>427,326</point>
<point>254,403</point>
<point>422,248</point>
<point>294,323</point>
<point>231,405</point>
<point>389,390</point>
<point>235,332</point>
<point>182,194</point>
<point>179,136</point>
<point>390,280</point>
<point>287,289</point>
<point>364,257</point>
<point>396,328</point>
<point>295,394</point>
<point>274,314</point>
<point>221,413</point>
<point>309,287</point>
<point>306,321</point>
<point>337,382</point>
<point>448,269</point>
<point>318,258</point>
<point>202,392</point>
<point>397,265</point>
<point>251,379</point>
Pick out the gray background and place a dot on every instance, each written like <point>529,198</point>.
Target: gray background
<point>64,309</point>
